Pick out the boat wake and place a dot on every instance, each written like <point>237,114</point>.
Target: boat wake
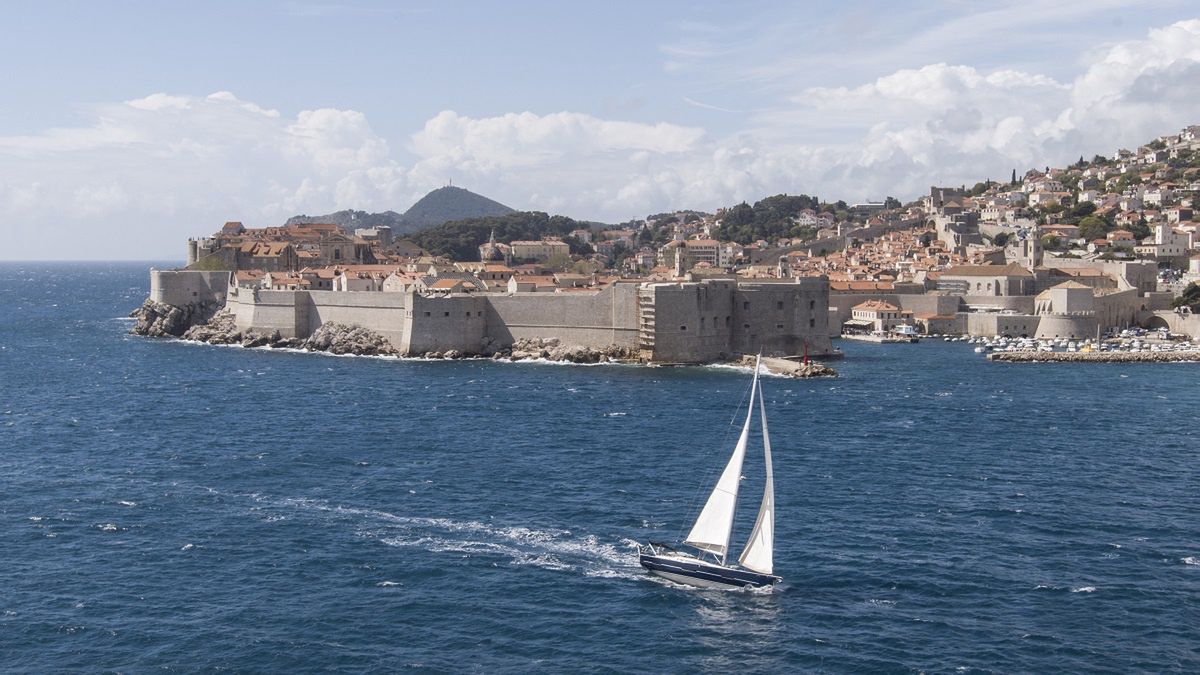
<point>556,550</point>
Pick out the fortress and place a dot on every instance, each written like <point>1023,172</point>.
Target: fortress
<point>670,322</point>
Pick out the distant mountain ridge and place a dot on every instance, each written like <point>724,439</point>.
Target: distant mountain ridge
<point>349,219</point>
<point>442,205</point>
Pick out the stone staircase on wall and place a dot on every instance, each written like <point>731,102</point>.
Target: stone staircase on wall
<point>646,321</point>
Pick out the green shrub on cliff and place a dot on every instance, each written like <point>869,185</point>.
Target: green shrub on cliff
<point>1189,298</point>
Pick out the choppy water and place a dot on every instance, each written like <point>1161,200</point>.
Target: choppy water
<point>175,506</point>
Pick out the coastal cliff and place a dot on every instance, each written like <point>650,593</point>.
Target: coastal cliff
<point>159,319</point>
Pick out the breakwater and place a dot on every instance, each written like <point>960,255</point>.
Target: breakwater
<point>1095,357</point>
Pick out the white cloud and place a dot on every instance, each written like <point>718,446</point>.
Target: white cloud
<point>160,168</point>
<point>895,135</point>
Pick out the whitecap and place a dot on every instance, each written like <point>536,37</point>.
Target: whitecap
<point>1084,589</point>
<point>127,503</point>
<point>36,519</point>
<point>108,527</point>
<point>1190,560</point>
<point>187,547</point>
<point>615,414</point>
<point>388,584</point>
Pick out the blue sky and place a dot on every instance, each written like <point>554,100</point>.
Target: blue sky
<point>163,120</point>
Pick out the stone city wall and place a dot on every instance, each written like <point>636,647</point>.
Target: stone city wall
<point>699,321</point>
<point>594,320</point>
<point>712,320</point>
<point>184,287</point>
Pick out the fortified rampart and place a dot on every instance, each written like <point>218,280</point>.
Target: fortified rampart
<point>676,322</point>
<point>711,320</point>
<point>593,320</point>
<point>185,287</point>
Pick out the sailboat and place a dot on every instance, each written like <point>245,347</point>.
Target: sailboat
<point>709,565</point>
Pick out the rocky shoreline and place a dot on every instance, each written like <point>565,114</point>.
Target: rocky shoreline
<point>1094,357</point>
<point>156,319</point>
<point>217,326</point>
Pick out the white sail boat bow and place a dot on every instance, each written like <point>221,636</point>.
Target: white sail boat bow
<point>712,530</point>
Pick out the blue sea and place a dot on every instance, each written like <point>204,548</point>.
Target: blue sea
<point>176,507</point>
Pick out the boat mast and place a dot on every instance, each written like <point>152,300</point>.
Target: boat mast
<point>759,552</point>
<point>712,529</point>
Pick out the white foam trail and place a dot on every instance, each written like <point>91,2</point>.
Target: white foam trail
<point>749,370</point>
<point>558,550</point>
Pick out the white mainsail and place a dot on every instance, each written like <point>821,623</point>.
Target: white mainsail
<point>712,528</point>
<point>760,548</point>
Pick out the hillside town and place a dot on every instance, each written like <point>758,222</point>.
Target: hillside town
<point>1073,252</point>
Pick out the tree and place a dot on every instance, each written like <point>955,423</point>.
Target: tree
<point>1190,298</point>
<point>1093,227</point>
<point>1014,178</point>
<point>1083,209</point>
<point>1000,239</point>
<point>460,239</point>
<point>578,247</point>
<point>770,218</point>
<point>558,262</point>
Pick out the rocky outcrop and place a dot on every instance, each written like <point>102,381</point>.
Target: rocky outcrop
<point>340,338</point>
<point>335,338</point>
<point>552,350</point>
<point>792,368</point>
<point>156,319</point>
<point>1094,357</point>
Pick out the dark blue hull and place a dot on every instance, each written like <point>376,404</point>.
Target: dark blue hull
<point>701,574</point>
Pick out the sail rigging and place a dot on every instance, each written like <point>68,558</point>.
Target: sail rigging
<point>712,528</point>
<point>711,532</point>
<point>759,553</point>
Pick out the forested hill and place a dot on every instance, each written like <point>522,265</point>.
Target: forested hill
<point>772,218</point>
<point>349,220</point>
<point>450,203</point>
<point>439,206</point>
<point>461,239</point>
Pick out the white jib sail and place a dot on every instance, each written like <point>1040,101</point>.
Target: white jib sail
<point>760,549</point>
<point>711,531</point>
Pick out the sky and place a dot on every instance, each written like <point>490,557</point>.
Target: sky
<point>126,128</point>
